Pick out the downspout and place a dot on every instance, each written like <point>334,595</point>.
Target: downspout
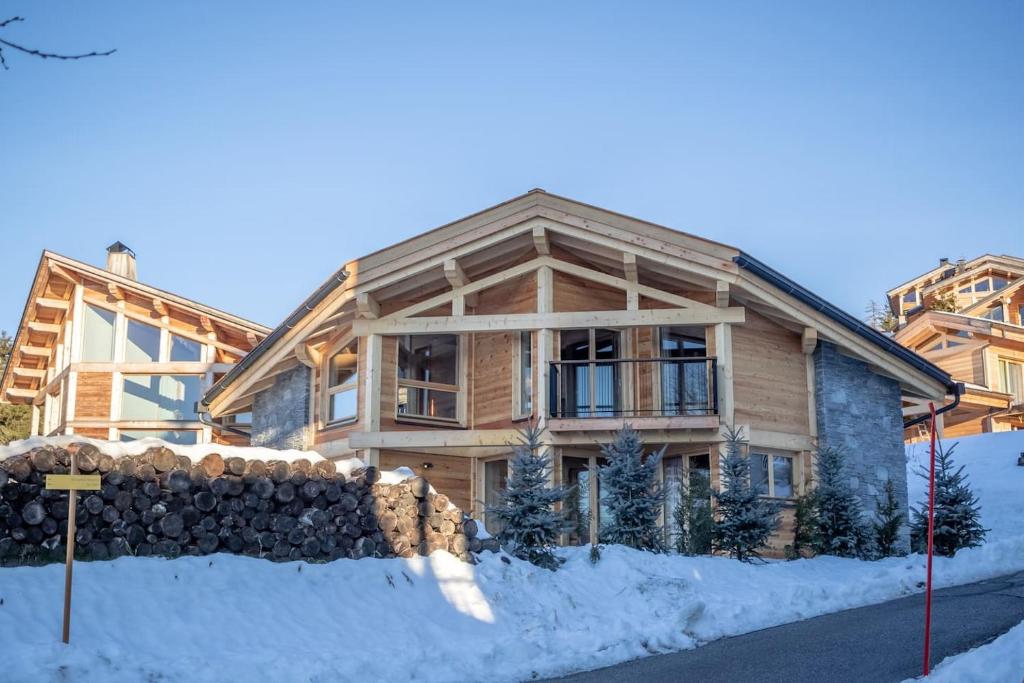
<point>958,389</point>
<point>205,418</point>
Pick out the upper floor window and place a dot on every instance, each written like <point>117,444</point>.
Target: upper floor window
<point>97,334</point>
<point>995,314</point>
<point>981,285</point>
<point>142,344</point>
<point>966,290</point>
<point>1011,376</point>
<point>428,376</point>
<point>910,297</point>
<point>772,474</point>
<point>522,394</point>
<point>587,386</point>
<point>684,384</point>
<point>999,282</point>
<point>185,350</point>
<point>343,385</point>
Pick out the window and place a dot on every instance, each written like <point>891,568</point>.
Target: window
<point>684,385</point>
<point>428,376</point>
<point>180,437</point>
<point>343,385</point>
<point>999,282</point>
<point>590,388</point>
<point>98,334</point>
<point>1011,376</point>
<point>910,297</point>
<point>495,477</point>
<point>981,285</point>
<point>160,397</point>
<point>238,419</point>
<point>681,475</point>
<point>772,474</point>
<point>142,344</point>
<point>995,314</point>
<point>185,350</point>
<point>523,393</point>
<point>965,290</point>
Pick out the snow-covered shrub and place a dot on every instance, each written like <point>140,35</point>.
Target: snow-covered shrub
<point>841,528</point>
<point>694,518</point>
<point>888,522</point>
<point>805,526</point>
<point>745,519</point>
<point>957,513</point>
<point>530,525</point>
<point>633,496</point>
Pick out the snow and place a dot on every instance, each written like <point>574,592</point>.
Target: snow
<point>1000,660</point>
<point>437,619</point>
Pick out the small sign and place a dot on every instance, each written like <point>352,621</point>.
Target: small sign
<point>80,482</point>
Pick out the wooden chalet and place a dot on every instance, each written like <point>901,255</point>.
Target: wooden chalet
<point>432,353</point>
<point>968,318</point>
<point>102,355</point>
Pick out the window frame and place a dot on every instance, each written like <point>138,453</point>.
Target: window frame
<point>331,391</point>
<point>125,377</point>
<point>523,378</point>
<point>456,389</point>
<point>795,468</point>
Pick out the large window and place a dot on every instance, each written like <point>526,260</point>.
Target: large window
<point>522,396</point>
<point>495,477</point>
<point>681,475</point>
<point>684,385</point>
<point>772,474</point>
<point>1011,376</point>
<point>175,436</point>
<point>160,397</point>
<point>142,344</point>
<point>428,376</point>
<point>186,350</point>
<point>995,314</point>
<point>98,334</point>
<point>343,385</point>
<point>590,387</point>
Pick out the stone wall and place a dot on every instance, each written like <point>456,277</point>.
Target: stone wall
<point>280,414</point>
<point>860,413</point>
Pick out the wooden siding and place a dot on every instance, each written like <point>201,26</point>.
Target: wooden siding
<point>448,474</point>
<point>769,376</point>
<point>968,366</point>
<point>575,294</point>
<point>93,396</point>
<point>492,379</point>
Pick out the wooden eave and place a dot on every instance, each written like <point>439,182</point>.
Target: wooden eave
<point>49,302</point>
<point>535,225</point>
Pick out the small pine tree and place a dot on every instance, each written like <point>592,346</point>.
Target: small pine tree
<point>881,317</point>
<point>944,302</point>
<point>957,513</point>
<point>526,508</point>
<point>745,519</point>
<point>889,520</point>
<point>841,530</point>
<point>805,525</point>
<point>694,519</point>
<point>633,497</point>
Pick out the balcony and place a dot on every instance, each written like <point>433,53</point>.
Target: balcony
<point>648,393</point>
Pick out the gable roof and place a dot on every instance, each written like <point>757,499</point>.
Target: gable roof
<point>708,259</point>
<point>969,268</point>
<point>52,263</point>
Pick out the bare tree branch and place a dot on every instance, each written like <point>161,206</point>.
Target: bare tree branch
<point>40,53</point>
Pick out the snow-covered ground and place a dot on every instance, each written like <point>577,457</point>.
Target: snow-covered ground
<point>437,619</point>
<point>1000,660</point>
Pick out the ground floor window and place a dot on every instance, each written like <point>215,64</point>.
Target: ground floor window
<point>183,437</point>
<point>772,474</point>
<point>686,481</point>
<point>160,397</point>
<point>495,478</point>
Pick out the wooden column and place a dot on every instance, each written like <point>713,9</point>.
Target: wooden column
<point>371,393</point>
<point>545,341</point>
<point>35,420</point>
<point>76,355</point>
<point>723,352</point>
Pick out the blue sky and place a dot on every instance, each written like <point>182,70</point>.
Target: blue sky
<point>246,150</point>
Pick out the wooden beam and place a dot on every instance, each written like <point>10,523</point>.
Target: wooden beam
<point>307,356</point>
<point>367,306</point>
<point>34,373</point>
<point>721,293</point>
<point>160,307</point>
<point>62,273</point>
<point>625,285</point>
<point>540,240</point>
<point>251,338</point>
<point>43,328</point>
<point>629,267</point>
<point>115,291</point>
<point>15,392</point>
<point>809,340</point>
<point>35,351</point>
<point>538,321</point>
<point>457,278</point>
<point>53,304</point>
<point>723,352</point>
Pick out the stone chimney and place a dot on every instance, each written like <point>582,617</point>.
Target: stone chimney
<point>121,260</point>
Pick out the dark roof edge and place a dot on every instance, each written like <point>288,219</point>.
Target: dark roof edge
<point>293,318</point>
<point>769,274</point>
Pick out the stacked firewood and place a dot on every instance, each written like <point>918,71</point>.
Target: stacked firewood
<point>161,503</point>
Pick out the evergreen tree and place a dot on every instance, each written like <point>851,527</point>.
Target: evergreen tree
<point>805,525</point>
<point>745,519</point>
<point>889,520</point>
<point>15,421</point>
<point>526,508</point>
<point>841,530</point>
<point>694,519</point>
<point>881,317</point>
<point>632,495</point>
<point>957,513</point>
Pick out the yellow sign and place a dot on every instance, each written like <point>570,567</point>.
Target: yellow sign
<point>81,482</point>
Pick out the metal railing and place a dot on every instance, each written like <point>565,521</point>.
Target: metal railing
<point>633,387</point>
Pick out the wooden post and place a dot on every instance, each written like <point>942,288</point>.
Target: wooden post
<point>69,559</point>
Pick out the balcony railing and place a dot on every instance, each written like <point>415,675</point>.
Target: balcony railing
<point>633,388</point>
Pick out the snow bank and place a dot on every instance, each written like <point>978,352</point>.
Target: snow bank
<point>1000,660</point>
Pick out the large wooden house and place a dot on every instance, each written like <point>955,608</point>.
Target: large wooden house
<point>967,317</point>
<point>432,353</point>
<point>102,355</point>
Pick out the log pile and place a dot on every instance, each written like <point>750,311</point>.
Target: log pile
<point>163,504</point>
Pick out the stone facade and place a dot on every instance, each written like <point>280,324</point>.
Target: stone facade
<point>860,413</point>
<point>280,414</point>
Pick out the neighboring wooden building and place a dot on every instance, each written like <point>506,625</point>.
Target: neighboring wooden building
<point>968,318</point>
<point>102,355</point>
<point>430,354</point>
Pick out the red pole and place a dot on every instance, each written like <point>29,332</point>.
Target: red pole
<point>931,541</point>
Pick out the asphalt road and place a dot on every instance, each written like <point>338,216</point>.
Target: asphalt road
<point>877,644</point>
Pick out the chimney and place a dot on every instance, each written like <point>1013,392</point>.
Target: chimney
<point>121,260</point>
<point>943,262</point>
